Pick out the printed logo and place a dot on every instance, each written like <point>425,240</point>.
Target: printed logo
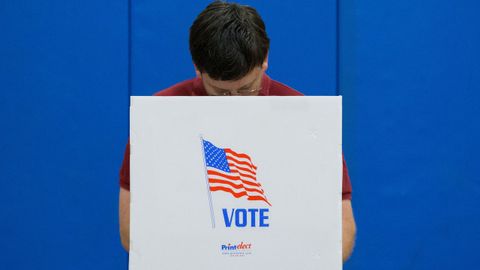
<point>236,174</point>
<point>238,250</point>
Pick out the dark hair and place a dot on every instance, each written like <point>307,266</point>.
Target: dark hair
<point>228,40</point>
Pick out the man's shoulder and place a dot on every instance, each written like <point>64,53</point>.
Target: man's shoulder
<point>184,88</point>
<point>279,89</point>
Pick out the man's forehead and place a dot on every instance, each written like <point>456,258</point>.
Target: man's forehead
<point>235,84</point>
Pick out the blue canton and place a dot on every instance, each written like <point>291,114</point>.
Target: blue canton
<point>215,157</point>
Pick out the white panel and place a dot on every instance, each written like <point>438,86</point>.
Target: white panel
<point>296,144</point>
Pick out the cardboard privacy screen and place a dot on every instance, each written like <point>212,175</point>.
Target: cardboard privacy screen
<point>235,183</point>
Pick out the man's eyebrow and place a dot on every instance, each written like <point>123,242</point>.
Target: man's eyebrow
<point>217,88</point>
<point>248,85</point>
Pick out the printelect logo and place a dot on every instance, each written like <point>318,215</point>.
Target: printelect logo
<point>241,246</point>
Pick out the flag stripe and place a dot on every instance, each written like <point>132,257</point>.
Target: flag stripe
<point>230,151</point>
<point>241,162</point>
<point>236,161</point>
<point>249,188</point>
<point>238,182</point>
<point>237,190</point>
<point>236,186</point>
<point>253,178</point>
<point>215,173</point>
<point>241,194</point>
<point>244,169</point>
<point>257,198</point>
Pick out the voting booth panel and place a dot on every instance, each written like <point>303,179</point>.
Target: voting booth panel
<point>236,182</point>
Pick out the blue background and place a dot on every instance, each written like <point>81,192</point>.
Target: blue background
<point>410,76</point>
<point>408,70</point>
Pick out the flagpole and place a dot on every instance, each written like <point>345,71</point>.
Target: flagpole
<point>212,214</point>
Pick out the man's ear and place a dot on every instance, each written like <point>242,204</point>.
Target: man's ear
<point>265,64</point>
<point>197,72</point>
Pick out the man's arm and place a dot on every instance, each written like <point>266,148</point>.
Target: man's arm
<point>124,216</point>
<point>348,229</point>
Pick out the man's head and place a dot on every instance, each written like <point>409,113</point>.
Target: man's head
<point>229,47</point>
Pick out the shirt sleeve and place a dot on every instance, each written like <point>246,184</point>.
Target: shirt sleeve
<point>346,185</point>
<point>125,169</point>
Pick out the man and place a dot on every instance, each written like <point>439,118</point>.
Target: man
<point>229,48</point>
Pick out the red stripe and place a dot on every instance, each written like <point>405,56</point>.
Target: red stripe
<point>254,178</point>
<point>219,181</point>
<point>230,151</point>
<point>240,194</point>
<point>236,195</point>
<point>258,198</point>
<point>250,165</point>
<point>211,172</point>
<point>241,168</point>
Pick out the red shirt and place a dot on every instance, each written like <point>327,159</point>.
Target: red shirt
<point>194,87</point>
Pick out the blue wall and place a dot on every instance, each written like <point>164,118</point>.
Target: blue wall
<point>410,76</point>
<point>302,54</point>
<point>409,72</point>
<point>64,111</point>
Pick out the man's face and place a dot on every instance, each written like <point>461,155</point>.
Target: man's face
<point>249,85</point>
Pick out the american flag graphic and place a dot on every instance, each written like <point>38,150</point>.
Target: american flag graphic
<point>232,172</point>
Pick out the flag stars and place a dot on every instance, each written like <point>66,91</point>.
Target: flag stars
<point>215,157</point>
